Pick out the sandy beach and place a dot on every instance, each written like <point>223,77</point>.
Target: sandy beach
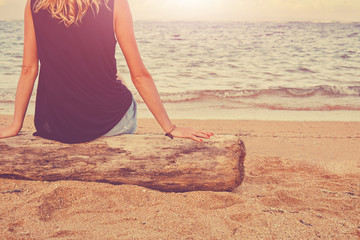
<point>302,182</point>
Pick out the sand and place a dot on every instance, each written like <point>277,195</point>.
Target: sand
<point>302,182</point>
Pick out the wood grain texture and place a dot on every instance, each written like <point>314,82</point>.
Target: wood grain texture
<point>151,161</point>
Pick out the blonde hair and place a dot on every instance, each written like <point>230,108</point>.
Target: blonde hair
<point>69,11</point>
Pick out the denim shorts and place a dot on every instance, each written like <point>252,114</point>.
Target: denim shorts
<point>127,124</point>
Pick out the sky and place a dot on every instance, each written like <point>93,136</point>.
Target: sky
<point>226,10</point>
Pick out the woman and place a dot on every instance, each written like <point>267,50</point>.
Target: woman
<point>78,97</point>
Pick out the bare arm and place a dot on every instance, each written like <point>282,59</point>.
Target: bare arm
<point>141,78</point>
<point>27,78</point>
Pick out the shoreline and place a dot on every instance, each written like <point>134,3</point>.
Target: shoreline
<point>149,121</point>
<point>215,110</point>
<point>302,176</point>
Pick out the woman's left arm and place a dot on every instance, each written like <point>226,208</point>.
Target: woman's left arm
<point>27,78</point>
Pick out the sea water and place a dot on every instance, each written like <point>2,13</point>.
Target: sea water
<point>231,70</point>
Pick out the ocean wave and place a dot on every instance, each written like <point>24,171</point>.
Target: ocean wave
<point>300,69</point>
<point>325,107</point>
<point>355,34</point>
<point>325,90</point>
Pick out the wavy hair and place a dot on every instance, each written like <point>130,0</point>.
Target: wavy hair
<point>69,11</point>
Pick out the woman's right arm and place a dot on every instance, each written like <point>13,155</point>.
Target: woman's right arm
<point>123,28</point>
<point>27,78</point>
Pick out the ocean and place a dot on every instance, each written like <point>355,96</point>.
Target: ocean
<point>232,70</point>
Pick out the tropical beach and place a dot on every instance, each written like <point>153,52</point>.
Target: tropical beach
<point>281,76</point>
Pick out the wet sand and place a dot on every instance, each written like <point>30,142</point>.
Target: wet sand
<point>302,182</point>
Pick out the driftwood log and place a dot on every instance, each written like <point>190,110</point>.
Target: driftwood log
<point>151,161</point>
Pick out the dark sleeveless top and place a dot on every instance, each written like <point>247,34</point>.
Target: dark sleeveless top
<point>78,97</point>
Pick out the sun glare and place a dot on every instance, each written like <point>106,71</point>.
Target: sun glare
<point>190,3</point>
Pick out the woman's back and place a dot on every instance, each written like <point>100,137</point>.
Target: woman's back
<point>78,98</point>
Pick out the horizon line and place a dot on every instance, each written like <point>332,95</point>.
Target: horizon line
<point>226,21</point>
